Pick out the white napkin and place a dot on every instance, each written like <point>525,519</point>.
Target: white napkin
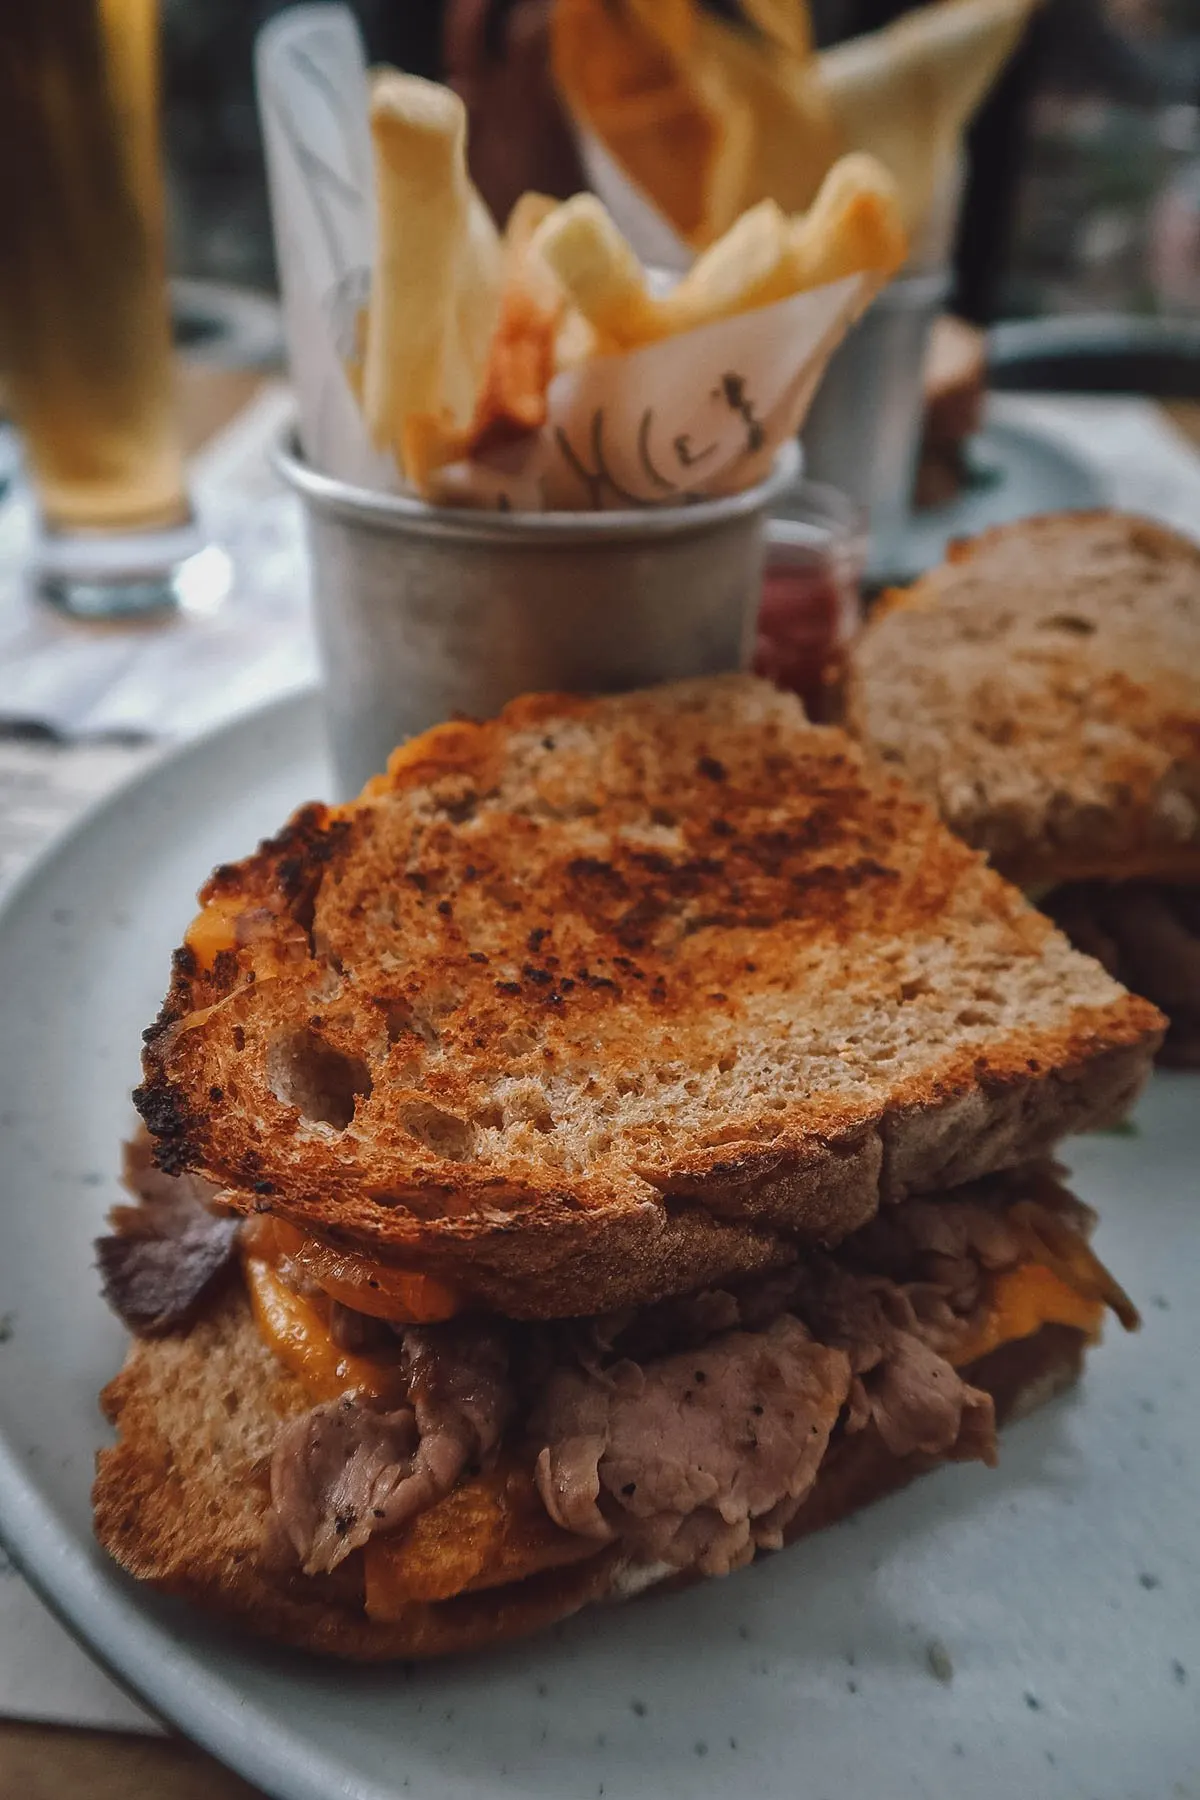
<point>44,1675</point>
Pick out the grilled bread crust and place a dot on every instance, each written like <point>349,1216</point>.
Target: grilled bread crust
<point>1042,689</point>
<point>604,1000</point>
<point>181,1499</point>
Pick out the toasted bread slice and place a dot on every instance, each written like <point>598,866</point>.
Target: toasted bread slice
<point>1042,689</point>
<point>595,1002</point>
<point>955,382</point>
<point>181,1499</point>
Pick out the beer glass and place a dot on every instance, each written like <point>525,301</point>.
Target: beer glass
<point>85,338</point>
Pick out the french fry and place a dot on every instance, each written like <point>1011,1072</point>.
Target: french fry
<point>464,329</point>
<point>576,341</point>
<point>598,271</point>
<point>906,93</point>
<point>706,117</point>
<point>435,287</point>
<point>523,221</point>
<point>853,227</point>
<point>779,137</point>
<point>521,264</point>
<point>511,397</point>
<point>785,22</point>
<point>744,269</point>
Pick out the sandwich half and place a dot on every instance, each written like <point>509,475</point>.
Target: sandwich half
<point>1042,689</point>
<point>609,1148</point>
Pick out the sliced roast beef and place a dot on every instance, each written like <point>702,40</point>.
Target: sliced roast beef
<point>341,1472</point>
<point>669,1325</point>
<point>919,1401</point>
<point>165,1254</point>
<point>152,1187</point>
<point>950,1244</point>
<point>895,1338</point>
<point>895,1300</point>
<point>458,1380</point>
<point>693,1429</point>
<point>683,1457</point>
<point>460,1392</point>
<point>332,1473</point>
<point>1158,946</point>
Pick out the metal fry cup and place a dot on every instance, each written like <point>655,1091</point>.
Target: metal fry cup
<point>863,433</point>
<point>423,612</point>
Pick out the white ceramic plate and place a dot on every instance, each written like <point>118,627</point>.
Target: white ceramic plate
<point>1063,1590</point>
<point>1017,471</point>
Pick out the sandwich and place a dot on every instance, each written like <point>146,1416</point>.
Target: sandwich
<point>955,388</point>
<point>1042,689</point>
<point>616,1144</point>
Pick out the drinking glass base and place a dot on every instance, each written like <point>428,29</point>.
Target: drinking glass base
<point>125,576</point>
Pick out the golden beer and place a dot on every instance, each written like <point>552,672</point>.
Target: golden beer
<point>85,344</point>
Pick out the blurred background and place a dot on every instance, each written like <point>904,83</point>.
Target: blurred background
<point>1085,176</point>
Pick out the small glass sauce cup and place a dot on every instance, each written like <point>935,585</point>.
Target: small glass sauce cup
<point>812,603</point>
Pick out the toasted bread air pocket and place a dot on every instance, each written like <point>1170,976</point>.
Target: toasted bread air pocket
<point>323,1083</point>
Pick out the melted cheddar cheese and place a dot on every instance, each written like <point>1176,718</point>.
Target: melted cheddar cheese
<point>297,1330</point>
<point>492,1529</point>
<point>296,1326</point>
<point>214,929</point>
<point>383,1292</point>
<point>1021,1301</point>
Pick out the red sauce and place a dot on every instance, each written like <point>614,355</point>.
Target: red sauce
<point>809,610</point>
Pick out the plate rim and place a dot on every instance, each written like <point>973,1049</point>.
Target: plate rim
<point>165,764</point>
<point>1023,431</point>
<point>183,1682</point>
<point>96,1603</point>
